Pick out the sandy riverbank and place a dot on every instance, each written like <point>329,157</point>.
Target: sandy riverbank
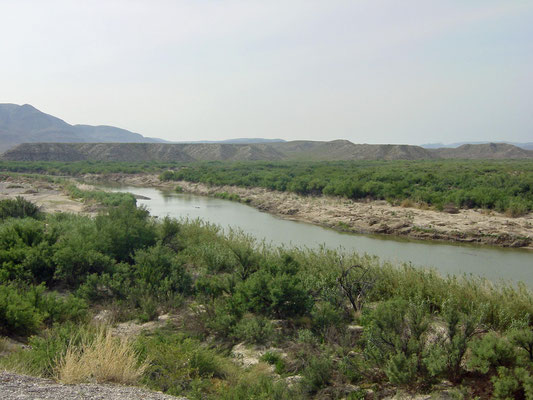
<point>50,197</point>
<point>375,217</point>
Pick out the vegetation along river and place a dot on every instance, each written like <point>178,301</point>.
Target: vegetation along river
<point>492,263</point>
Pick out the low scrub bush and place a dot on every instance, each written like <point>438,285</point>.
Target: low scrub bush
<point>514,383</point>
<point>18,208</point>
<point>177,363</point>
<point>490,352</point>
<point>253,329</point>
<point>276,360</point>
<point>317,374</point>
<point>258,386</point>
<point>18,315</point>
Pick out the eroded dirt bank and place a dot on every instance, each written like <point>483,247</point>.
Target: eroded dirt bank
<point>376,217</point>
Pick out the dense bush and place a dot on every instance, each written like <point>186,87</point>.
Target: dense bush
<point>23,310</point>
<point>501,185</point>
<point>18,208</point>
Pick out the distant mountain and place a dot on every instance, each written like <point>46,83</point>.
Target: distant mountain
<point>26,124</point>
<point>235,141</point>
<point>296,150</point>
<point>526,146</point>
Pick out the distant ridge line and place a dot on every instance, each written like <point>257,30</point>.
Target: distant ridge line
<point>276,151</point>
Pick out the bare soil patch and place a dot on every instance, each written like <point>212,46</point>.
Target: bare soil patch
<point>48,196</point>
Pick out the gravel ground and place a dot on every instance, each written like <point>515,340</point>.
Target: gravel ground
<point>21,387</point>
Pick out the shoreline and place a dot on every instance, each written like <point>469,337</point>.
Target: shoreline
<point>375,217</point>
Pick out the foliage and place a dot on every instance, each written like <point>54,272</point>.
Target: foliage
<point>500,185</point>
<point>222,288</point>
<point>514,383</point>
<point>23,310</point>
<point>274,359</point>
<point>18,208</point>
<point>176,361</point>
<point>317,374</point>
<point>255,330</point>
<point>111,199</point>
<point>491,352</point>
<point>447,354</point>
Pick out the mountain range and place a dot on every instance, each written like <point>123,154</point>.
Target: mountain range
<point>27,134</point>
<point>26,124</point>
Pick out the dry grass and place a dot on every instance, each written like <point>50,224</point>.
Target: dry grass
<point>103,359</point>
<point>7,346</point>
<point>3,344</point>
<point>407,203</point>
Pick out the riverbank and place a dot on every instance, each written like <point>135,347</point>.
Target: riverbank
<point>49,196</point>
<point>374,217</point>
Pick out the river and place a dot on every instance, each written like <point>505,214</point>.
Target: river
<point>490,262</point>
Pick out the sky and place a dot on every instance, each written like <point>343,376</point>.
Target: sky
<point>370,71</point>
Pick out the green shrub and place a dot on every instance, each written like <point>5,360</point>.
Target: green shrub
<point>215,257</point>
<point>402,369</point>
<point>395,326</point>
<point>317,374</point>
<point>324,316</point>
<point>18,208</point>
<point>159,272</point>
<point>518,207</point>
<point>276,360</point>
<point>490,352</point>
<point>222,317</point>
<point>252,329</point>
<point>446,355</point>
<point>275,293</point>
<point>18,315</point>
<point>24,309</point>
<point>514,383</point>
<point>124,229</point>
<point>26,251</point>
<point>178,362</point>
<point>523,339</point>
<point>257,387</point>
<point>495,184</point>
<point>78,254</point>
<point>110,199</point>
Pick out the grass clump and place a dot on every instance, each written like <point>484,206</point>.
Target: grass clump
<point>100,359</point>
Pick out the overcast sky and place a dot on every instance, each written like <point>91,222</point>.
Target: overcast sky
<point>370,71</point>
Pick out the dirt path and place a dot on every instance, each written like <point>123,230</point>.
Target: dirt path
<point>48,196</point>
<point>376,217</point>
<point>22,387</point>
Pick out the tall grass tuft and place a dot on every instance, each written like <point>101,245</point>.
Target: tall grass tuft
<point>103,359</point>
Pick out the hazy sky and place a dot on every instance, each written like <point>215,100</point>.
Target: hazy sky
<point>371,71</point>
